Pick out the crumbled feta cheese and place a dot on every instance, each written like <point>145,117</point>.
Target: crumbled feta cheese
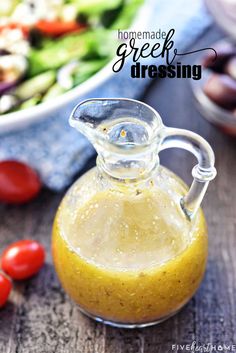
<point>12,40</point>
<point>7,102</point>
<point>4,21</point>
<point>23,14</point>
<point>31,11</point>
<point>12,67</point>
<point>68,12</point>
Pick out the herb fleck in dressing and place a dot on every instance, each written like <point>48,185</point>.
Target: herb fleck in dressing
<point>129,258</point>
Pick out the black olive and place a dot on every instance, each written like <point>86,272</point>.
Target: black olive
<point>221,89</point>
<point>4,52</point>
<point>82,19</point>
<point>35,38</point>
<point>224,53</point>
<point>109,16</point>
<point>230,68</point>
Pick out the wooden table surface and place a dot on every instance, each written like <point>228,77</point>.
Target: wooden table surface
<point>40,318</point>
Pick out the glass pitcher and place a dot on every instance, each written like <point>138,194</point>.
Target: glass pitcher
<point>129,238</point>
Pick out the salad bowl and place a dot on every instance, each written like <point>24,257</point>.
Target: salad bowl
<point>15,119</point>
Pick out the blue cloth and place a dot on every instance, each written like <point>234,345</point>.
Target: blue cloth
<point>56,150</point>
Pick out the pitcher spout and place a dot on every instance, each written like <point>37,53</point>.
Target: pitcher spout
<point>126,134</point>
<point>111,119</point>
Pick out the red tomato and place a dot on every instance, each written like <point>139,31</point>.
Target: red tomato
<point>18,182</point>
<point>23,259</point>
<point>5,289</point>
<point>58,28</point>
<point>24,28</point>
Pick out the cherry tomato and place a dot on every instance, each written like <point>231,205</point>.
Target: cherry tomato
<point>23,259</point>
<point>18,182</point>
<point>24,28</point>
<point>58,28</point>
<point>5,289</point>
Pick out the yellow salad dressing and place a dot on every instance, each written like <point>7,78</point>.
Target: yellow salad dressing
<point>128,256</point>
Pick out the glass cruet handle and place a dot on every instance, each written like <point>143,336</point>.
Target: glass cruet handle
<point>202,173</point>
